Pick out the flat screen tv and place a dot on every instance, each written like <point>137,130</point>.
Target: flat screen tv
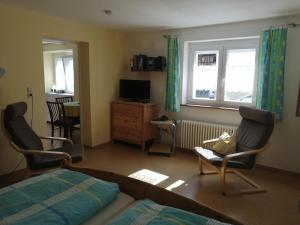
<point>135,90</point>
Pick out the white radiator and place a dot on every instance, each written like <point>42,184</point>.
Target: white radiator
<point>193,133</point>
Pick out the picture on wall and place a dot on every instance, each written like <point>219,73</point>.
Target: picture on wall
<point>298,103</point>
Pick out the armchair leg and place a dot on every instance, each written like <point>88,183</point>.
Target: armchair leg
<point>200,166</point>
<point>201,169</point>
<point>222,173</point>
<point>222,179</point>
<point>256,188</point>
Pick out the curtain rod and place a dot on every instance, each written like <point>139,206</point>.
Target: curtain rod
<point>168,35</point>
<point>287,25</point>
<point>293,25</point>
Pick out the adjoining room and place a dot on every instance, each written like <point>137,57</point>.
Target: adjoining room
<point>62,92</point>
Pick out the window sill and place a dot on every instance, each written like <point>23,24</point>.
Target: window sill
<point>211,107</point>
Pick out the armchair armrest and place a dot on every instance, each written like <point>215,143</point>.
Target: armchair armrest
<point>41,152</point>
<point>56,138</point>
<point>245,153</point>
<point>209,141</point>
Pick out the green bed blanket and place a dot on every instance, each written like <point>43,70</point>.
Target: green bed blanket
<point>60,197</point>
<point>150,213</point>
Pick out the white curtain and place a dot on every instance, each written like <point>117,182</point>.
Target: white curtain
<point>64,74</point>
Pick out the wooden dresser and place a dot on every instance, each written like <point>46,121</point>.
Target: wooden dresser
<point>130,122</point>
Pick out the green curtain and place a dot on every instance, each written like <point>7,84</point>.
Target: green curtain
<point>172,103</point>
<point>271,71</point>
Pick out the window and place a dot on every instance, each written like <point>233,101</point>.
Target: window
<point>222,73</point>
<point>64,73</point>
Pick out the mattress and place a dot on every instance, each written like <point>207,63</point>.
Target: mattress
<point>122,202</point>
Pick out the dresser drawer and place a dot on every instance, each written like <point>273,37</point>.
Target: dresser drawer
<point>127,110</point>
<point>128,134</point>
<point>126,122</point>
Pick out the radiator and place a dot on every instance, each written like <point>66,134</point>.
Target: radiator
<point>193,133</point>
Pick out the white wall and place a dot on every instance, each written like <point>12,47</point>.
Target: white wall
<point>285,151</point>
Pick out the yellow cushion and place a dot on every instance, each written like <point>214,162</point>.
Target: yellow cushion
<point>225,145</point>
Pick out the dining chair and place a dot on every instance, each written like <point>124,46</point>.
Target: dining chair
<point>64,99</point>
<point>58,118</point>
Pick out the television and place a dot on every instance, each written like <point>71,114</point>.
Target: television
<point>135,90</point>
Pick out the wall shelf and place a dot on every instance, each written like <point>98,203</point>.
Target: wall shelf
<point>141,63</point>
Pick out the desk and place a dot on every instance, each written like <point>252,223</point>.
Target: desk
<point>72,109</point>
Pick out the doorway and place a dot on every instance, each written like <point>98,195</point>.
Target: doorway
<point>62,92</point>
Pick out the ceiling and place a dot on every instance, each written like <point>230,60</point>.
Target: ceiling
<point>160,14</point>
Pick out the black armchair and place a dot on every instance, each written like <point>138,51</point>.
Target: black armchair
<point>27,142</point>
<point>252,137</point>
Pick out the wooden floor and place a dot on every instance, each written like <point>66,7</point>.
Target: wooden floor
<point>278,206</point>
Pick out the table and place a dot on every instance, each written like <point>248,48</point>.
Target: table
<point>72,109</point>
<point>72,114</point>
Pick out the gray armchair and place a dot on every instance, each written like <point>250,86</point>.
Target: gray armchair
<point>252,136</point>
<point>27,142</point>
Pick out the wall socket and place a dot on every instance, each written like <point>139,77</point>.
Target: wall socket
<point>29,92</point>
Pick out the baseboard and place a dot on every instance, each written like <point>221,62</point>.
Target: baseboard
<point>100,145</point>
<point>269,168</point>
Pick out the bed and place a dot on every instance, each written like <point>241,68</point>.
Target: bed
<point>74,196</point>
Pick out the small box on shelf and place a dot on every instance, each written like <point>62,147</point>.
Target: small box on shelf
<point>144,63</point>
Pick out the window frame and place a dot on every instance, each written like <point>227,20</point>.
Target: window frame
<point>222,46</point>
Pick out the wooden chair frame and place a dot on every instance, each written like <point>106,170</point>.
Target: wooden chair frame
<point>31,172</point>
<point>256,188</point>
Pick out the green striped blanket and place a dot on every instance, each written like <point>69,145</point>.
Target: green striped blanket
<point>60,197</point>
<point>147,212</point>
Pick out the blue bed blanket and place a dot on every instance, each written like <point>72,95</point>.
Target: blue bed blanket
<point>60,197</point>
<point>150,213</point>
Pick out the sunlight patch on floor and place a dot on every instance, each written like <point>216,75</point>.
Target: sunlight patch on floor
<point>175,185</point>
<point>149,176</point>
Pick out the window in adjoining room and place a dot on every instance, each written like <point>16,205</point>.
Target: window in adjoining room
<point>64,73</point>
<point>222,73</point>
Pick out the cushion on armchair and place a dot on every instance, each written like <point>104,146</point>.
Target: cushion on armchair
<point>225,145</point>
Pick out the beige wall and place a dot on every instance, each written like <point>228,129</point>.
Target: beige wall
<point>285,150</point>
<point>48,70</point>
<point>21,54</point>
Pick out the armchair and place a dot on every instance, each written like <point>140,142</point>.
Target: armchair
<point>26,141</point>
<point>252,136</point>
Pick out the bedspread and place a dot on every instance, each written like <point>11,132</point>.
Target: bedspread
<point>60,197</point>
<point>150,213</point>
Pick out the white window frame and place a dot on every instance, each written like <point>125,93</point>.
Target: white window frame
<point>222,46</point>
